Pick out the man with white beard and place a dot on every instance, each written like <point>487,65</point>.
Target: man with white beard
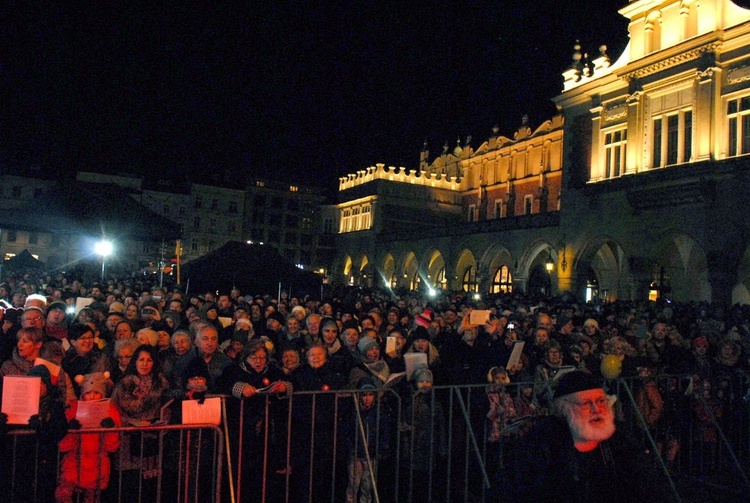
<point>578,455</point>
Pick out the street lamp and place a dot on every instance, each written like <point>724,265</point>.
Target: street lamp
<point>103,248</point>
<point>549,265</point>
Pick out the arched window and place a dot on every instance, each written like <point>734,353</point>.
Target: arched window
<point>441,283</point>
<point>415,281</point>
<point>469,283</point>
<point>502,281</point>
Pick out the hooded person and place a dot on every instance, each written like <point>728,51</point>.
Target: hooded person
<point>577,454</point>
<point>371,365</point>
<point>84,469</point>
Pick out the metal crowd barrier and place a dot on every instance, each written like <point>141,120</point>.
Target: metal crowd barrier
<point>409,447</point>
<point>173,463</point>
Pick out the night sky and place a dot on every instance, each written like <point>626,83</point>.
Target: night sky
<point>277,89</point>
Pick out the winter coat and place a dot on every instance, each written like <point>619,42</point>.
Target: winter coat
<point>86,460</point>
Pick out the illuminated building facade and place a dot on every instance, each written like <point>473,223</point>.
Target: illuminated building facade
<point>637,190</point>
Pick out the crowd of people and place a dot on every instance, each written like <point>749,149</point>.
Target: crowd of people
<point>147,346</point>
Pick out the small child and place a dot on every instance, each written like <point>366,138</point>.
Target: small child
<point>502,409</point>
<point>368,432</point>
<point>86,465</point>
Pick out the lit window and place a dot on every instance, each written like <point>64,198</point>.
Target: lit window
<point>366,217</point>
<point>469,283</point>
<point>502,281</point>
<point>738,113</point>
<point>615,151</point>
<point>672,138</point>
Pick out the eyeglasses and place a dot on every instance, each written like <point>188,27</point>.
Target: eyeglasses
<point>585,406</point>
<point>257,358</point>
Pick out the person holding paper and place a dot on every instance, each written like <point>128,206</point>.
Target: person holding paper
<point>29,347</point>
<point>420,338</point>
<point>372,365</point>
<point>36,471</point>
<point>85,465</point>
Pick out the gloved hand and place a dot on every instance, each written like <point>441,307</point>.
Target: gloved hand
<point>74,424</point>
<point>107,422</point>
<point>35,422</point>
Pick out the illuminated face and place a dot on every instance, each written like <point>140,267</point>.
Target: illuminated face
<point>450,317</point>
<point>424,384</point>
<point>326,309</point>
<point>84,344</point>
<point>144,365</point>
<point>123,331</point>
<point>590,416</point>
<point>316,357</point>
<point>162,339</point>
<point>258,360</point>
<point>212,314</point>
<point>33,319</point>
<point>131,313</point>
<point>55,317</point>
<point>329,333</point>
<point>123,359</point>
<point>590,330</point>
<point>313,324</point>
<point>544,322</point>
<point>181,344</point>
<point>554,356</point>
<point>292,325</point>
<point>224,302</point>
<point>367,324</point>
<point>112,322</point>
<point>350,337</point>
<point>400,341</point>
<point>392,318</point>
<point>373,353</point>
<point>366,400</point>
<point>27,348</point>
<point>290,360</point>
<point>207,341</point>
<point>421,345</point>
<point>542,336</point>
<point>91,395</point>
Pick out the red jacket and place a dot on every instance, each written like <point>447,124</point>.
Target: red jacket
<point>89,451</point>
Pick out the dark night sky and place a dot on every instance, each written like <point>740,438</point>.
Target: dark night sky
<point>277,89</point>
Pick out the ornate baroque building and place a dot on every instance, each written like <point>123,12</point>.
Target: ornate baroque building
<point>636,190</point>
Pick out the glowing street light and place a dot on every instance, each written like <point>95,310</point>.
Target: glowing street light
<point>103,248</point>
